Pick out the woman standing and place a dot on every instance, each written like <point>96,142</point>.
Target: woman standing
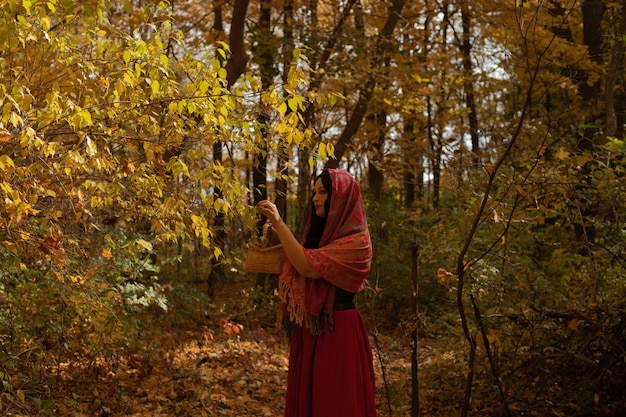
<point>331,371</point>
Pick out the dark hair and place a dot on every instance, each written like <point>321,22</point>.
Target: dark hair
<point>316,228</point>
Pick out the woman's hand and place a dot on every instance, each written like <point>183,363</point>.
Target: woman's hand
<point>270,211</point>
<point>293,249</point>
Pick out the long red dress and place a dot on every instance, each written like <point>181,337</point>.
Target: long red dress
<point>331,374</point>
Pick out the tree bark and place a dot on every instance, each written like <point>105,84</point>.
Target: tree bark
<point>466,50</point>
<point>616,68</point>
<point>236,35</point>
<point>266,61</point>
<point>376,174</point>
<point>415,397</point>
<point>409,162</point>
<point>283,156</point>
<point>238,59</point>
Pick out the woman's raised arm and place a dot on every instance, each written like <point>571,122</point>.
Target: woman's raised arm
<point>294,251</point>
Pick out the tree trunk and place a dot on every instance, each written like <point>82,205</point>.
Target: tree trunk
<point>436,149</point>
<point>409,163</point>
<point>415,397</point>
<point>283,156</point>
<point>616,69</point>
<point>238,59</point>
<point>234,67</point>
<point>375,172</point>
<point>466,50</point>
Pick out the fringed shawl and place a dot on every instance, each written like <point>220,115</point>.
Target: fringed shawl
<point>343,259</point>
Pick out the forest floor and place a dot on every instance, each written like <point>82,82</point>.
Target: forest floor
<point>215,373</point>
<point>223,368</point>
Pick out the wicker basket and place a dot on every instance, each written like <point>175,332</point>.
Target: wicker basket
<point>268,260</point>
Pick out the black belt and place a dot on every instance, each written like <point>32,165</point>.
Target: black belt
<point>345,305</point>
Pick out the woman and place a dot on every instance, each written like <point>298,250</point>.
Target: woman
<point>330,361</point>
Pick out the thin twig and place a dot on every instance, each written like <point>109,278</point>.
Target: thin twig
<point>382,367</point>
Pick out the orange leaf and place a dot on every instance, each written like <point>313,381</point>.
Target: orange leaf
<point>5,136</point>
<point>444,276</point>
<point>574,324</point>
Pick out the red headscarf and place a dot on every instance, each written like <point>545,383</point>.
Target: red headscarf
<point>343,258</point>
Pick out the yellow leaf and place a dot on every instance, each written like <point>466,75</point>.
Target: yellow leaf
<point>86,117</point>
<point>6,187</point>
<point>20,395</point>
<point>45,23</point>
<point>106,253</point>
<point>6,161</point>
<point>562,153</point>
<point>330,148</point>
<point>155,86</point>
<point>77,279</point>
<point>323,150</point>
<point>294,103</point>
<point>144,244</point>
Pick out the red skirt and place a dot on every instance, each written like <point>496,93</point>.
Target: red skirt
<point>332,374</point>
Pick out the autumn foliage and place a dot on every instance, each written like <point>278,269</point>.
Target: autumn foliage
<point>135,137</point>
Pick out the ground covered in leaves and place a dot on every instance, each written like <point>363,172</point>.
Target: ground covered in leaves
<point>220,367</point>
<point>232,362</point>
<point>225,370</point>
